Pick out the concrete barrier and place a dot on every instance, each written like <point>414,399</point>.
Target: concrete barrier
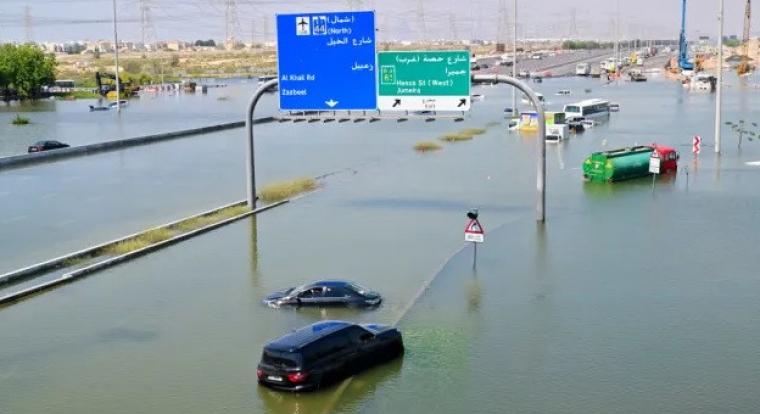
<point>59,262</point>
<point>23,160</point>
<point>80,273</point>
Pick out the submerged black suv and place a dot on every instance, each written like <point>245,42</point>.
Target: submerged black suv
<point>325,352</point>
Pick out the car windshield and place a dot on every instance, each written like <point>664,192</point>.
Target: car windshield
<point>358,288</point>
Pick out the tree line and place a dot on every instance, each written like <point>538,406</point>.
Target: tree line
<point>585,45</point>
<point>24,70</point>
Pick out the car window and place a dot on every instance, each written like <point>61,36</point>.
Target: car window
<point>334,292</point>
<point>357,334</point>
<point>280,359</point>
<point>311,293</point>
<point>358,289</point>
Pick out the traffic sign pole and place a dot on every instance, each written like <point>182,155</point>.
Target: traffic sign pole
<point>474,233</point>
<point>654,166</point>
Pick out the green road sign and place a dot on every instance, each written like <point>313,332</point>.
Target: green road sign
<point>424,80</point>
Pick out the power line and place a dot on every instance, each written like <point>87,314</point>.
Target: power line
<point>231,23</point>
<point>28,24</point>
<point>453,27</point>
<point>573,34</point>
<point>147,30</point>
<point>501,22</point>
<point>421,19</point>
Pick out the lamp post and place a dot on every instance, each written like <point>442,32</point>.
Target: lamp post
<point>719,69</point>
<point>116,54</point>
<point>514,57</point>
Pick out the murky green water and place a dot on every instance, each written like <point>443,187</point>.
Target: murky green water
<point>625,302</point>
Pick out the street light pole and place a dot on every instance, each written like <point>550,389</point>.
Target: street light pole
<point>719,68</point>
<point>541,158</point>
<point>514,56</point>
<point>116,54</point>
<point>250,147</point>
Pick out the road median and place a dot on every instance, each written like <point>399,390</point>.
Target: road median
<point>25,160</point>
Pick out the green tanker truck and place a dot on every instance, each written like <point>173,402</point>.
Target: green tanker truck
<point>627,163</point>
<point>617,165</point>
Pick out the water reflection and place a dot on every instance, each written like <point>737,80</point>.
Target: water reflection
<point>332,312</point>
<point>348,393</point>
<point>603,191</point>
<point>253,250</point>
<point>474,289</point>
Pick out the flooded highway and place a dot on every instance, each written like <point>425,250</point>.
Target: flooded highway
<point>625,301</point>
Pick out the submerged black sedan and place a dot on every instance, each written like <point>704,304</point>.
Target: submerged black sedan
<point>325,293</point>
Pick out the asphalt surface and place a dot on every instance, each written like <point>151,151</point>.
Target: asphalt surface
<point>561,64</point>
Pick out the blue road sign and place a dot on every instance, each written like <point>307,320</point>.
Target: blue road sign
<point>326,61</point>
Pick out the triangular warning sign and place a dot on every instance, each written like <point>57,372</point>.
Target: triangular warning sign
<point>474,227</point>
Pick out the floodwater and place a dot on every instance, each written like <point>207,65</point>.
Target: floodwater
<point>627,300</point>
<point>73,123</point>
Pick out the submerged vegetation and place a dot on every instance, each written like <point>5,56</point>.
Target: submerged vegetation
<point>456,137</point>
<point>154,236</point>
<point>282,190</point>
<point>20,120</point>
<point>742,129</point>
<point>427,146</point>
<point>138,242</point>
<point>195,223</point>
<point>466,134</point>
<point>474,131</point>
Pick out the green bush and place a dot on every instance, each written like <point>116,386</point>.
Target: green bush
<point>20,120</point>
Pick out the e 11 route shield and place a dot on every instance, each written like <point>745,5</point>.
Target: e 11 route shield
<point>327,61</point>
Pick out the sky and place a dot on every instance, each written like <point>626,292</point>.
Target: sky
<point>63,20</point>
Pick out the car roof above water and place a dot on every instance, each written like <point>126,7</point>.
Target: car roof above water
<point>329,283</point>
<point>306,335</point>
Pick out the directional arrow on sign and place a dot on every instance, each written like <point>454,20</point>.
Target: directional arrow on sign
<point>462,102</point>
<point>331,103</point>
<point>396,102</point>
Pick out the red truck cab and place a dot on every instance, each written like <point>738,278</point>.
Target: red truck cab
<point>668,157</point>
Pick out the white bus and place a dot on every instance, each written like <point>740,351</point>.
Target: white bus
<point>589,109</point>
<point>583,69</point>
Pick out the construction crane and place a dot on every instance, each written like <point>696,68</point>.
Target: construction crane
<point>744,66</point>
<point>683,46</point>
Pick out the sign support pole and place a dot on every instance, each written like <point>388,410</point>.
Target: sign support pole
<point>474,255</point>
<point>541,160</point>
<point>250,159</point>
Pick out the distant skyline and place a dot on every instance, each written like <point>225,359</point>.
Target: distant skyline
<point>63,20</point>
